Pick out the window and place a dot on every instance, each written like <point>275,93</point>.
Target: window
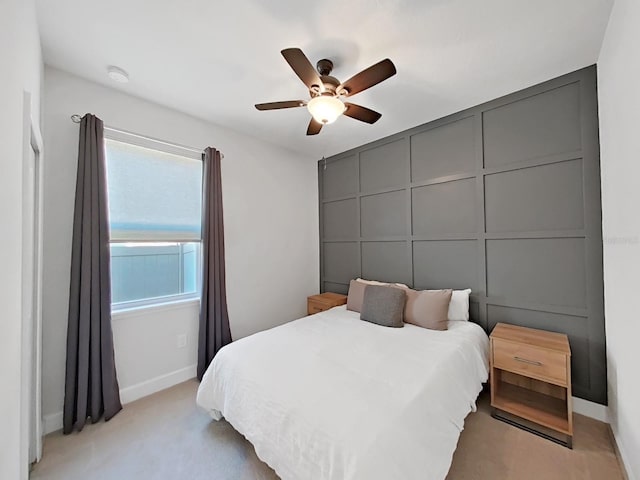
<point>154,194</point>
<point>151,271</point>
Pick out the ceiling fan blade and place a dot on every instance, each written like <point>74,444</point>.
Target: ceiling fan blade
<point>369,77</point>
<point>278,105</point>
<point>314,127</point>
<point>361,113</point>
<point>302,67</point>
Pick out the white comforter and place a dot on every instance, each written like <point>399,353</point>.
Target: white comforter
<point>333,397</point>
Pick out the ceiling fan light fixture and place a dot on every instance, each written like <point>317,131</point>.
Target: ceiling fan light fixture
<point>326,109</point>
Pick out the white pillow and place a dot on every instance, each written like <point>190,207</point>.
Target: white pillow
<point>375,282</point>
<point>459,305</point>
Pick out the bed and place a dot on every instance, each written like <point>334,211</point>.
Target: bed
<point>332,397</point>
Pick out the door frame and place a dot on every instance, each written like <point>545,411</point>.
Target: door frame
<point>31,362</point>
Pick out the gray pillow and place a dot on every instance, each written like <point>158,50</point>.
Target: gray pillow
<point>383,306</point>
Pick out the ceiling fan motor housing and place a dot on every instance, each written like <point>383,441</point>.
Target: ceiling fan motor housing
<point>329,84</point>
<point>324,66</point>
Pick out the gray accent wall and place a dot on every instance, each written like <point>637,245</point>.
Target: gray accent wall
<point>502,198</point>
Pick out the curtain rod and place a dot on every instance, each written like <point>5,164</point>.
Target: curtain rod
<point>75,118</point>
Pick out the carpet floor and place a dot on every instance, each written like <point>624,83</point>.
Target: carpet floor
<point>165,436</point>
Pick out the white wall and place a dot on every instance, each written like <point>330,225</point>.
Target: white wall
<point>619,104</point>
<point>271,235</point>
<point>21,71</point>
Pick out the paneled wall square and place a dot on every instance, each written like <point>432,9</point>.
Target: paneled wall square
<point>444,150</point>
<point>444,208</point>
<point>386,262</point>
<point>340,261</point>
<point>538,270</point>
<point>340,179</point>
<point>383,167</point>
<point>541,125</point>
<point>546,197</point>
<point>341,220</point>
<point>383,214</point>
<point>446,264</point>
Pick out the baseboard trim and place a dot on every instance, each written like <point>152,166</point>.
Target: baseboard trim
<point>622,457</point>
<point>53,422</point>
<point>148,387</point>
<point>591,409</point>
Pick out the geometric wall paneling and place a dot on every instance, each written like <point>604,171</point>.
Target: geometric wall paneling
<point>502,198</point>
<point>340,179</point>
<point>386,262</point>
<point>444,208</point>
<point>534,127</point>
<point>549,271</point>
<point>377,172</point>
<point>383,215</point>
<point>340,220</point>
<point>446,264</point>
<point>441,151</point>
<point>336,288</point>
<point>474,313</point>
<point>340,261</point>
<point>546,197</point>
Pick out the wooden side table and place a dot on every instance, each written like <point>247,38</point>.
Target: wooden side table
<point>324,301</point>
<point>531,381</point>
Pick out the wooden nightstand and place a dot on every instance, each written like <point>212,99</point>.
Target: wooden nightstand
<point>531,381</point>
<point>324,301</point>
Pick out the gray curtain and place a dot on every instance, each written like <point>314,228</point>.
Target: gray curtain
<point>214,319</point>
<point>91,386</point>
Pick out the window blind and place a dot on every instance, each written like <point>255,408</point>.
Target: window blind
<point>153,195</point>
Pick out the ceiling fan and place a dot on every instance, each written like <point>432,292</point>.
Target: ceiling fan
<point>326,92</point>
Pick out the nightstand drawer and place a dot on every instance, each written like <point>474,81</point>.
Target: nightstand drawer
<point>316,308</point>
<point>530,361</point>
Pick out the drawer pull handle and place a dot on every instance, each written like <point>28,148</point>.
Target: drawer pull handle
<point>530,362</point>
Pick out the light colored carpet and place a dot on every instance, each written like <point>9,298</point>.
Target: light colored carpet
<point>165,436</point>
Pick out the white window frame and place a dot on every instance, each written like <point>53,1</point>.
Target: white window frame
<point>174,149</point>
<point>165,299</point>
<point>152,143</point>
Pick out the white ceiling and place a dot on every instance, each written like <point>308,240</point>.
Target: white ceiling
<point>216,59</point>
